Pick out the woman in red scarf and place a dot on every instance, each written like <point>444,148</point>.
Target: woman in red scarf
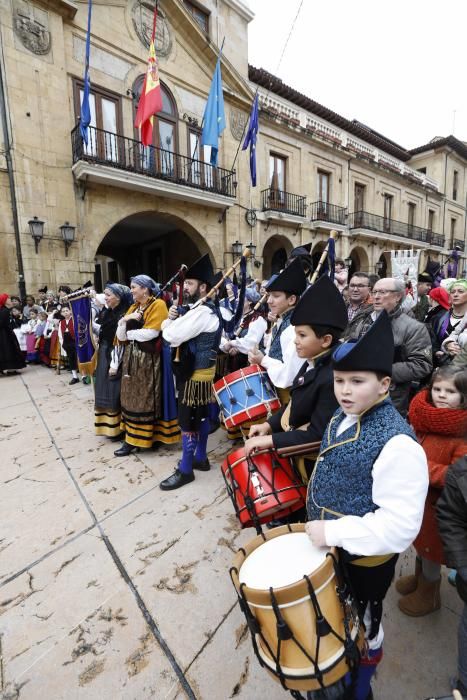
<point>11,357</point>
<point>439,418</point>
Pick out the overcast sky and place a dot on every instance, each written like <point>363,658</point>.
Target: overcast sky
<point>397,66</point>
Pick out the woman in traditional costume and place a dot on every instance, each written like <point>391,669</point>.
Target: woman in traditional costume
<point>107,381</point>
<point>11,357</point>
<point>144,387</point>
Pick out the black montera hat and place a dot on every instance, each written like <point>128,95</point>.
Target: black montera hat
<point>373,352</point>
<point>201,270</point>
<point>425,277</point>
<point>321,304</point>
<point>43,289</point>
<point>64,288</point>
<point>292,279</point>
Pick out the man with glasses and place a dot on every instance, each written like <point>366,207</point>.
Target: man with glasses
<point>412,352</point>
<point>359,295</point>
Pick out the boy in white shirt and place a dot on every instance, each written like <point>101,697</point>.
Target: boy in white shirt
<point>367,493</point>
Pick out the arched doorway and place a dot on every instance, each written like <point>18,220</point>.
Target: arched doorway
<point>148,242</point>
<point>383,265</point>
<point>275,254</point>
<point>360,261</point>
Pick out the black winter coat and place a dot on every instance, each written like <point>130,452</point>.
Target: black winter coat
<point>312,405</point>
<point>452,520</point>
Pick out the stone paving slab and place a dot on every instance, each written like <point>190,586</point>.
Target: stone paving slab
<point>70,625</point>
<point>72,629</point>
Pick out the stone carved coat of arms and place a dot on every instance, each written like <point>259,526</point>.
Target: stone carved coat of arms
<point>31,25</point>
<point>143,17</point>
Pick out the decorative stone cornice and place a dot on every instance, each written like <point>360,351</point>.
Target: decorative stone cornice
<point>65,8</point>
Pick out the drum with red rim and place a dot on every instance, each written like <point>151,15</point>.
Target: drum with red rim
<point>262,486</point>
<point>246,395</point>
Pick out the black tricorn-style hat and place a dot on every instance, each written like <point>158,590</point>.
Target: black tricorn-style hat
<point>292,279</point>
<point>64,288</point>
<point>422,277</point>
<point>321,304</point>
<point>201,270</point>
<point>373,352</point>
<point>43,289</point>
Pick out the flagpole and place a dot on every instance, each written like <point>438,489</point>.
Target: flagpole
<point>202,124</point>
<point>243,133</point>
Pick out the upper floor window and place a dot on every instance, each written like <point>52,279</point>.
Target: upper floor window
<point>431,219</point>
<point>388,199</point>
<point>411,214</point>
<point>453,230</point>
<point>455,184</point>
<point>324,180</point>
<point>359,197</point>
<point>277,166</point>
<point>165,122</point>
<point>200,15</point>
<point>106,120</point>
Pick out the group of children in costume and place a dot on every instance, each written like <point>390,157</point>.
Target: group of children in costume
<point>374,487</point>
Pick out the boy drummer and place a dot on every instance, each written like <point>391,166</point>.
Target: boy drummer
<point>319,319</point>
<point>281,360</point>
<point>367,492</point>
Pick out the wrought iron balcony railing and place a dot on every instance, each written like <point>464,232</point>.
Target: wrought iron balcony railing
<point>107,148</point>
<point>373,222</point>
<point>459,243</point>
<point>286,202</point>
<point>323,211</point>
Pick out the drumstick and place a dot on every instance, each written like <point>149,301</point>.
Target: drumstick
<point>456,694</point>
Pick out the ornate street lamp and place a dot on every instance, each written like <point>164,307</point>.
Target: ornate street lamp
<point>237,248</point>
<point>379,266</point>
<point>68,235</point>
<point>252,248</point>
<point>348,263</point>
<point>36,228</point>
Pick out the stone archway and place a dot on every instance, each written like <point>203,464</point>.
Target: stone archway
<point>149,242</point>
<point>360,261</point>
<point>275,253</point>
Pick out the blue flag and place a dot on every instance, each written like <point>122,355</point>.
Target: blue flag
<point>214,114</point>
<point>85,116</point>
<point>250,139</point>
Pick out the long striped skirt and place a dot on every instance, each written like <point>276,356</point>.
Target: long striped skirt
<point>107,415</point>
<point>143,418</point>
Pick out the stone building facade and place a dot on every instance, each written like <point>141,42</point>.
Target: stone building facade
<point>136,209</point>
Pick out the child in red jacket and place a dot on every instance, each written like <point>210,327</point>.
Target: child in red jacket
<point>439,418</point>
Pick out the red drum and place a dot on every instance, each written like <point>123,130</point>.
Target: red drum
<point>246,395</point>
<point>262,486</point>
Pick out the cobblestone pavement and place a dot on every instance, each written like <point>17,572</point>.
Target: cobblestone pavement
<point>111,589</point>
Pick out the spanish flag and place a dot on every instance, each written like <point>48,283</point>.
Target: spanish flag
<point>150,101</point>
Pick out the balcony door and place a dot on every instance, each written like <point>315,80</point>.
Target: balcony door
<point>359,204</point>
<point>388,200</point>
<point>161,156</point>
<point>277,166</point>
<point>105,125</point>
<point>323,193</point>
<point>199,170</point>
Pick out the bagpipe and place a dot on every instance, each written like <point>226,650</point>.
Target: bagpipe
<point>246,253</point>
<point>179,276</point>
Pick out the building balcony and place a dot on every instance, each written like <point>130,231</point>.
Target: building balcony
<point>329,213</point>
<point>367,222</point>
<point>112,159</point>
<point>277,204</point>
<point>459,244</point>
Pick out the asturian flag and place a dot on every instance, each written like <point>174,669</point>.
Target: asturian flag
<point>214,114</point>
<point>150,101</point>
<point>250,139</point>
<point>84,338</point>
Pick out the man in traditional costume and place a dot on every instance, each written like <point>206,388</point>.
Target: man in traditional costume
<point>281,360</point>
<point>197,333</point>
